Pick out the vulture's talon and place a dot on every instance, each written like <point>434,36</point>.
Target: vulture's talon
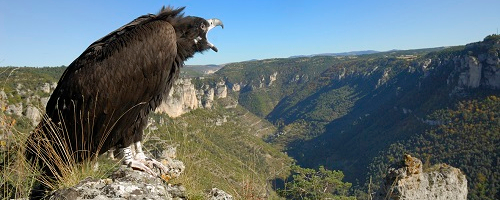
<point>147,165</point>
<point>139,165</point>
<point>162,168</point>
<point>142,162</point>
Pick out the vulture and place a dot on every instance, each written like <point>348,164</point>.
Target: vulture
<point>103,98</point>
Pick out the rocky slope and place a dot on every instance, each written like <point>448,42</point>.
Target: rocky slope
<point>181,99</point>
<point>184,97</point>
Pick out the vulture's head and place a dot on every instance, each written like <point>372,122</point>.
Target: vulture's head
<point>192,32</point>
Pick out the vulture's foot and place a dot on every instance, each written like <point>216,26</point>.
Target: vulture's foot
<point>151,163</point>
<point>140,165</point>
<point>111,154</point>
<point>142,162</point>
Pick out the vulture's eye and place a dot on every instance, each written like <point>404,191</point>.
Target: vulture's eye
<point>202,26</point>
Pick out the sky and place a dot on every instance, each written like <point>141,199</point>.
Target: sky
<point>55,32</point>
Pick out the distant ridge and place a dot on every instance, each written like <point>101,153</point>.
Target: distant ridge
<point>350,53</point>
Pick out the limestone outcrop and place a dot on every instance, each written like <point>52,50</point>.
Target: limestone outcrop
<point>478,70</point>
<point>181,99</point>
<point>407,180</point>
<point>184,97</point>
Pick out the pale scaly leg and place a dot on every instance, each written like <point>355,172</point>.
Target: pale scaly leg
<point>111,153</point>
<point>139,154</point>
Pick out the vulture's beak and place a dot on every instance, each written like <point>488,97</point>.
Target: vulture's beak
<point>212,24</point>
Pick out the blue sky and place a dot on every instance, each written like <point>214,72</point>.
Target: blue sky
<point>55,32</point>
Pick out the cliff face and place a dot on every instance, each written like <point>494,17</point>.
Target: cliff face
<point>407,180</point>
<point>181,99</point>
<point>184,97</point>
<point>477,70</point>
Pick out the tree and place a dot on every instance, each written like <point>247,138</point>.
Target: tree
<point>311,184</point>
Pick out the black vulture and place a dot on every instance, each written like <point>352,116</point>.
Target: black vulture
<point>105,95</point>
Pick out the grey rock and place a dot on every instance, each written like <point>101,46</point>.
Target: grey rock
<point>210,94</point>
<point>491,72</point>
<point>15,109</point>
<point>272,78</point>
<point>181,99</point>
<point>125,183</point>
<point>175,167</point>
<point>169,152</point>
<point>33,114</point>
<point>236,87</point>
<point>475,72</point>
<point>471,75</point>
<point>221,91</point>
<point>407,180</point>
<point>46,88</point>
<point>218,194</point>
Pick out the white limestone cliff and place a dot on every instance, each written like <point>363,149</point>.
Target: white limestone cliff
<point>181,99</point>
<point>184,97</point>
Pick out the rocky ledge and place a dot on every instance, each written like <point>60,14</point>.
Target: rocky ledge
<point>124,183</point>
<point>129,184</point>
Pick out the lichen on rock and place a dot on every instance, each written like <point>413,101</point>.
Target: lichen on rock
<point>124,183</point>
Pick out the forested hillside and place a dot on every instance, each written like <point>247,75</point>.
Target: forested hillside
<point>260,85</point>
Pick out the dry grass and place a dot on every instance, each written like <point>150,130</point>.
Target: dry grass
<point>53,149</point>
<point>51,146</point>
